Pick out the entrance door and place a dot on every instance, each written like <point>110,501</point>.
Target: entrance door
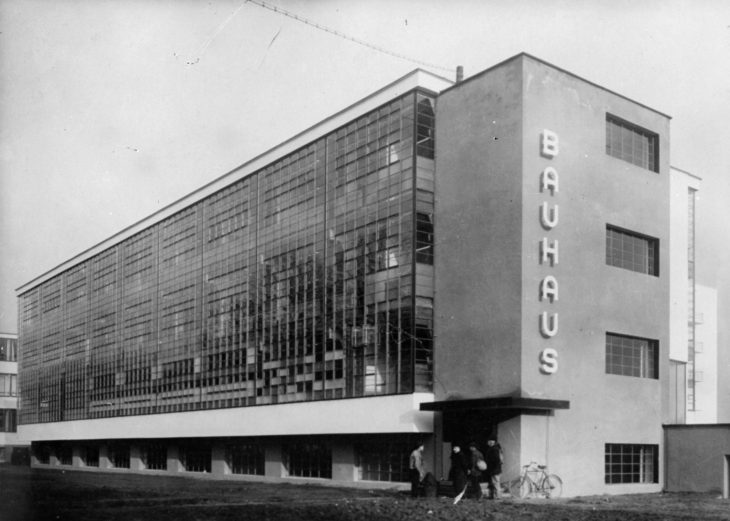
<point>464,427</point>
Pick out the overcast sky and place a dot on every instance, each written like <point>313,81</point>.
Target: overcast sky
<point>110,110</point>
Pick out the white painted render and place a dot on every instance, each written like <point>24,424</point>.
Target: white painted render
<point>381,414</point>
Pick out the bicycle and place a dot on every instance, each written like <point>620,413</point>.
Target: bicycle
<point>534,481</point>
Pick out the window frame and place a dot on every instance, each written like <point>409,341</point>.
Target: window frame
<point>652,264</point>
<point>616,150</point>
<point>628,463</point>
<point>648,365</point>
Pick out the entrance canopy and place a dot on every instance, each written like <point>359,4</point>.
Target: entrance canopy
<point>475,418</point>
<point>510,405</point>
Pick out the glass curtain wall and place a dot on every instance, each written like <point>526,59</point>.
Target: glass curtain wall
<point>309,279</point>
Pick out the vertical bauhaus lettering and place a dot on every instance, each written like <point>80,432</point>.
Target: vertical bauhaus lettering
<point>549,216</point>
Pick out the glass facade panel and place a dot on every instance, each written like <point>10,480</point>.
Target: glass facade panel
<point>309,279</point>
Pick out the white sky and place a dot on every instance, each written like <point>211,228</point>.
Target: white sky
<point>110,110</point>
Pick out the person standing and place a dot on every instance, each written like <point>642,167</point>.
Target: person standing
<point>477,466</point>
<point>417,470</point>
<point>494,459</point>
<point>459,468</point>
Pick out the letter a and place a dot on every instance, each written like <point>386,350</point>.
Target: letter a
<point>549,180</point>
<point>549,288</point>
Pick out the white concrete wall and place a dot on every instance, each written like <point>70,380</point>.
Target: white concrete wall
<point>680,182</point>
<point>396,414</point>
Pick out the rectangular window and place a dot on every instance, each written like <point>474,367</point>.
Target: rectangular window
<point>632,356</point>
<point>119,455</point>
<point>245,458</point>
<point>9,349</point>
<point>196,457</point>
<point>381,460</point>
<point>632,251</point>
<point>309,460</point>
<point>90,455</point>
<point>8,385</point>
<point>626,463</point>
<point>8,420</point>
<point>154,456</point>
<point>631,143</point>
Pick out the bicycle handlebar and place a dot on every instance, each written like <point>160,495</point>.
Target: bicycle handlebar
<point>534,464</point>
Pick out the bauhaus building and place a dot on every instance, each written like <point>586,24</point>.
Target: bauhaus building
<point>437,262</point>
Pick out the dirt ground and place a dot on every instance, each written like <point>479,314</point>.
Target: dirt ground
<point>34,494</point>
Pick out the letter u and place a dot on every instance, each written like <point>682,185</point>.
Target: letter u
<point>548,328</point>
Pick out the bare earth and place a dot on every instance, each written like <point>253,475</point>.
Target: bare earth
<point>35,494</point>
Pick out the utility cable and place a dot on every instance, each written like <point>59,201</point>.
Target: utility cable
<point>284,12</point>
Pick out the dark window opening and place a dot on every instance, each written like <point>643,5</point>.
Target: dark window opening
<point>632,143</point>
<point>632,251</point>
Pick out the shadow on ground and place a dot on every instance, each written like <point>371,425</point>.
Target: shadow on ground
<point>43,494</point>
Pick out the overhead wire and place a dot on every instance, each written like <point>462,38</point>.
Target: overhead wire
<point>340,34</point>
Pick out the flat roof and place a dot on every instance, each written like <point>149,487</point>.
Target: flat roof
<point>417,78</point>
<point>538,60</point>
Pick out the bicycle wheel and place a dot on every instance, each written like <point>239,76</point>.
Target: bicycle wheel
<point>520,488</point>
<point>515,487</point>
<point>552,486</point>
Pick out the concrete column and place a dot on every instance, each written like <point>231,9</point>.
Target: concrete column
<point>33,456</point>
<point>104,462</point>
<point>344,462</point>
<point>135,457</point>
<point>77,459</point>
<point>441,450</point>
<point>173,459</point>
<point>274,461</point>
<point>218,464</point>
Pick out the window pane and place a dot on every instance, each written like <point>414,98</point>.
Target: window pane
<point>625,463</point>
<point>631,143</point>
<point>631,251</point>
<point>631,356</point>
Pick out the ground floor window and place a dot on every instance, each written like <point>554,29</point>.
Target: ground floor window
<point>42,453</point>
<point>119,455</point>
<point>309,459</point>
<point>245,458</point>
<point>90,455</point>
<point>383,460</point>
<point>196,457</point>
<point>627,463</point>
<point>64,453</point>
<point>154,456</point>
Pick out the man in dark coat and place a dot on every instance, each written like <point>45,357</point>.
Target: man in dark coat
<point>459,468</point>
<point>494,459</point>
